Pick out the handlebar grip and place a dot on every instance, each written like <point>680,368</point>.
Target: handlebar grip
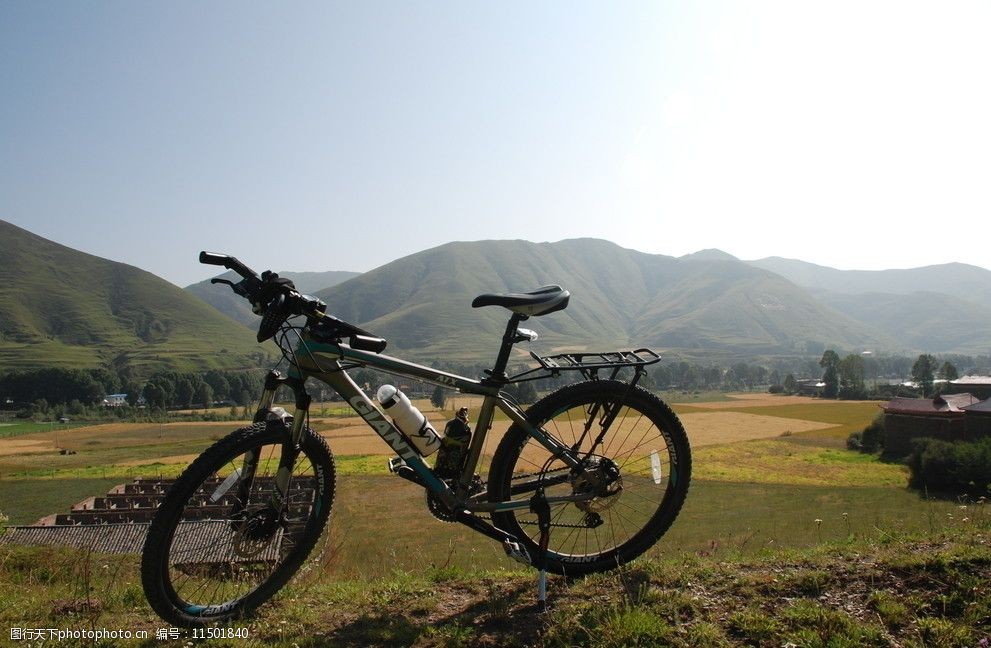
<point>229,262</point>
<point>212,258</point>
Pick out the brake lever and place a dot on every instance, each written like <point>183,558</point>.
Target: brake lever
<point>239,288</point>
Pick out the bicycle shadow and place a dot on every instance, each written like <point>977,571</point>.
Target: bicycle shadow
<point>470,616</point>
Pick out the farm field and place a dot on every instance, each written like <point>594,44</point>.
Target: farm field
<point>163,449</point>
<point>762,465</point>
<point>380,523</point>
<point>14,427</point>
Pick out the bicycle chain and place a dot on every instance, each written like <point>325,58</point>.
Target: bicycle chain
<point>559,525</point>
<point>537,474</point>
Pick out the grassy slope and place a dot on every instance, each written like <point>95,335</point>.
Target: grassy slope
<point>728,305</point>
<point>925,320</point>
<point>901,591</point>
<point>62,307</point>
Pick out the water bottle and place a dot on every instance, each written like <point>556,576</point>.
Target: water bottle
<point>409,420</point>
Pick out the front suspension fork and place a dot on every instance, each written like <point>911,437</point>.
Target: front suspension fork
<point>290,448</point>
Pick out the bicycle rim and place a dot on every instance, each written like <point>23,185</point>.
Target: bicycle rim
<point>641,441</point>
<point>231,543</point>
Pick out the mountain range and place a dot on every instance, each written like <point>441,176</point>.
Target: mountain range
<point>708,302</point>
<point>93,311</point>
<point>620,298</point>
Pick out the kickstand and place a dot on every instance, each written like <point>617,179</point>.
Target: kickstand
<point>540,506</point>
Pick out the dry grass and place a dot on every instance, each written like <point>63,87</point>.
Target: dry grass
<point>352,436</point>
<point>736,401</point>
<point>748,417</point>
<point>714,428</point>
<point>115,435</point>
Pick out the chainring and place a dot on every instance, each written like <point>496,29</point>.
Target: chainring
<point>439,510</point>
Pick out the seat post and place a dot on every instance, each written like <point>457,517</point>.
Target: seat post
<point>508,339</point>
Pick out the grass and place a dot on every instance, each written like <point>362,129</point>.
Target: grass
<point>915,591</point>
<point>97,460</point>
<point>380,523</point>
<point>17,428</point>
<point>780,540</point>
<point>782,461</point>
<point>27,500</point>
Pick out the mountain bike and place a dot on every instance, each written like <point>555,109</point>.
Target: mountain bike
<point>586,479</point>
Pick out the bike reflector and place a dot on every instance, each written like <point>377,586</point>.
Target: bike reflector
<point>655,466</point>
<point>226,485</point>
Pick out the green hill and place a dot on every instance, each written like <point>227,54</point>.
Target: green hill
<point>62,307</point>
<point>620,298</point>
<point>237,308</point>
<point>939,308</point>
<point>960,280</point>
<point>729,306</point>
<point>922,320</point>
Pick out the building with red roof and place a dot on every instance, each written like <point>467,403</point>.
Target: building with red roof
<point>944,417</point>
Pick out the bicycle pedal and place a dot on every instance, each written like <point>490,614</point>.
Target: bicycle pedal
<point>516,551</point>
<point>395,464</point>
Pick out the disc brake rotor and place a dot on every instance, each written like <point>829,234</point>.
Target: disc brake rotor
<point>599,476</point>
<point>255,533</point>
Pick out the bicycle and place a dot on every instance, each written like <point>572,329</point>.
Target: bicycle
<point>602,463</point>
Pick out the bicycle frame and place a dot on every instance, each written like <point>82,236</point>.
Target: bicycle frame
<point>260,519</point>
<point>328,363</point>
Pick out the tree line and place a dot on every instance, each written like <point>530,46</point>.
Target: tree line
<point>846,378</point>
<point>55,386</point>
<point>853,375</point>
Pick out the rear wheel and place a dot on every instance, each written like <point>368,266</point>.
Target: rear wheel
<point>221,544</point>
<point>636,467</point>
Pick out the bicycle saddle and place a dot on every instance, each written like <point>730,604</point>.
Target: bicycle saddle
<point>541,301</point>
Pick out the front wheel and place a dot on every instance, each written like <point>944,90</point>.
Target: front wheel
<point>223,541</point>
<point>635,469</point>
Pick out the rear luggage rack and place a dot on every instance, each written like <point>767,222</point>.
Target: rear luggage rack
<point>589,364</point>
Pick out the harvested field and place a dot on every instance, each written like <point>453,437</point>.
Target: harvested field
<point>25,446</point>
<point>707,428</point>
<point>350,435</point>
<point>123,434</point>
<point>737,401</point>
<point>729,427</point>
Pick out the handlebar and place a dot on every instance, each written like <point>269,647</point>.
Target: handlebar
<point>271,296</point>
<point>276,300</point>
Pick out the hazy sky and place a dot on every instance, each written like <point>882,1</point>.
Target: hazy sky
<point>339,137</point>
